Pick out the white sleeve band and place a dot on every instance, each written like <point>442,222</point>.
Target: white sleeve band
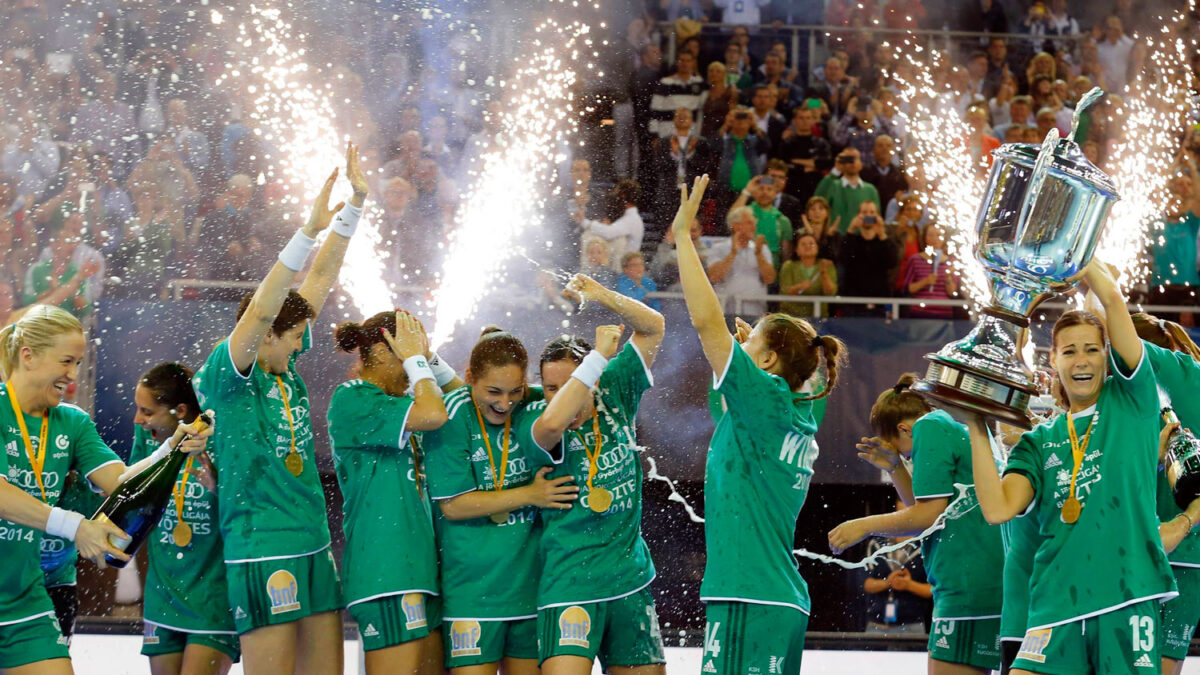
<point>346,220</point>
<point>417,369</point>
<point>295,254</point>
<point>588,372</point>
<point>63,523</point>
<point>136,468</point>
<point>442,372</point>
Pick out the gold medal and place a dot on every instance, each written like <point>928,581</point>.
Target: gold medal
<point>182,534</point>
<point>497,478</point>
<point>599,499</point>
<point>499,518</point>
<point>1072,507</point>
<point>1071,510</point>
<point>294,463</point>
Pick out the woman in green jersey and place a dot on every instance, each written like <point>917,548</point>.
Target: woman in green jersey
<point>44,439</point>
<point>488,490</point>
<point>594,598</point>
<point>1100,569</point>
<point>283,585</point>
<point>386,514</point>
<point>188,625</point>
<point>757,473</point>
<point>966,599</point>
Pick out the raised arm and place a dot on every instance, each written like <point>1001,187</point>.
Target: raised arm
<point>270,294</point>
<point>328,263</point>
<point>1000,499</point>
<point>1122,336</point>
<point>703,305</point>
<point>571,399</point>
<point>647,324</point>
<point>410,345</point>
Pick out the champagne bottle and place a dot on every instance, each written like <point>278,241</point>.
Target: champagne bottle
<point>137,504</point>
<point>1182,462</point>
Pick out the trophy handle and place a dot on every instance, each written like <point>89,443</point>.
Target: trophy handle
<point>1041,169</point>
<point>1086,101</point>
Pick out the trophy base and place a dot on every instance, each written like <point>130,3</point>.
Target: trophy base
<point>953,384</point>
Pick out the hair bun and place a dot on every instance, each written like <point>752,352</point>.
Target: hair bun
<point>489,329</point>
<point>906,381</point>
<point>348,336</point>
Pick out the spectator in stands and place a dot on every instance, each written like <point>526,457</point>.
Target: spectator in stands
<point>682,89</point>
<point>624,234</point>
<point>15,253</point>
<point>114,201</point>
<point>150,79</point>
<point>835,88</point>
<point>679,158</point>
<point>898,593</point>
<point>1175,279</point>
<point>1113,49</point>
<point>904,14</point>
<point>847,192</point>
<point>191,145</point>
<point>787,95</point>
<point>806,274</point>
<point>983,15</point>
<point>1090,65</point>
<point>745,12</point>
<point>816,220</point>
<point>979,141</point>
<point>929,275</point>
<point>221,237</point>
<point>32,159</point>
<point>641,93</point>
<point>722,97</point>
<point>664,266</point>
<point>997,53</point>
<point>867,256</point>
<point>768,120</point>
<point>788,205</point>
<point>770,223</point>
<point>147,241</point>
<point>743,154</point>
<point>905,228</point>
<point>1044,22</point>
<point>163,168</point>
<point>884,171</point>
<point>1020,113</point>
<point>999,105</point>
<point>977,68</point>
<point>741,264</point>
<point>1047,119</point>
<point>806,155</point>
<point>64,271</point>
<point>107,123</point>
<point>633,281</point>
<point>860,126</point>
<point>737,66</point>
<point>596,261</point>
<point>688,9</point>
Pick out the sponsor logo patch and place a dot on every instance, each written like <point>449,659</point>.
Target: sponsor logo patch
<point>414,610</point>
<point>464,638</point>
<point>574,626</point>
<point>1034,644</point>
<point>283,591</point>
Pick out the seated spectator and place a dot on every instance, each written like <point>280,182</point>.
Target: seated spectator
<point>835,88</point>
<point>743,154</point>
<point>664,266</point>
<point>884,171</point>
<point>846,192</point>
<point>860,127</point>
<point>721,98</point>
<point>770,223</point>
<point>682,89</point>
<point>624,234</point>
<point>806,274</point>
<point>898,593</point>
<point>806,155</point>
<point>816,220</point>
<point>191,145</point>
<point>596,261</point>
<point>1020,113</point>
<point>867,256</point>
<point>1047,119</point>
<point>633,281</point>
<point>928,275</point>
<point>1174,277</point>
<point>769,122</point>
<point>741,264</point>
<point>64,271</point>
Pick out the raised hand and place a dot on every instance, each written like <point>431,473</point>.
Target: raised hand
<point>582,288</point>
<point>689,206</point>
<point>743,329</point>
<point>878,453</point>
<point>607,339</point>
<point>410,338</point>
<point>354,173</point>
<point>322,214</point>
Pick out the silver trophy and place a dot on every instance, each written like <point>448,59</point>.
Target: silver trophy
<point>1042,215</point>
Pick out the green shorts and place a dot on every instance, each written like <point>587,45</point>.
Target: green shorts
<point>746,637</point>
<point>269,592</point>
<point>1180,615</point>
<point>395,619</point>
<point>621,632</point>
<point>471,642</point>
<point>1124,640</point>
<point>158,640</point>
<point>971,642</point>
<point>32,640</point>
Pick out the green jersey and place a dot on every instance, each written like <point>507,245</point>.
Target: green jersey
<point>1179,376</point>
<point>1021,540</point>
<point>942,458</point>
<point>489,570</point>
<point>75,445</point>
<point>760,463</point>
<point>185,586</point>
<point>1112,556</point>
<point>588,556</point>
<point>59,555</point>
<point>266,512</point>
<point>386,513</point>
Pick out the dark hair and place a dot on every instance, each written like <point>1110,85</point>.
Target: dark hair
<point>1165,334</point>
<point>565,348</point>
<point>627,190</point>
<point>170,384</point>
<point>776,164</point>
<point>497,348</point>
<point>351,336</point>
<point>796,342</point>
<point>897,404</point>
<point>1070,319</point>
<point>295,310</point>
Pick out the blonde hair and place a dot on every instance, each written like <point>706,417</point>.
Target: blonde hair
<point>37,329</point>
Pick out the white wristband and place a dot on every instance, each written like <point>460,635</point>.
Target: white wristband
<point>588,372</point>
<point>417,369</point>
<point>63,523</point>
<point>442,372</point>
<point>294,255</point>
<point>346,220</point>
<point>136,468</point>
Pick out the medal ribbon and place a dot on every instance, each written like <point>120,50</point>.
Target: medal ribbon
<point>1078,449</point>
<point>37,459</point>
<point>180,490</point>
<point>499,483</point>
<point>412,443</point>
<point>593,457</point>
<point>287,408</point>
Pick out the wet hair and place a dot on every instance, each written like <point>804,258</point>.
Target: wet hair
<point>496,348</point>
<point>295,310</point>
<point>799,348</point>
<point>565,348</point>
<point>1165,334</point>
<point>362,336</point>
<point>1070,319</point>
<point>897,404</point>
<point>170,384</point>
<point>37,329</point>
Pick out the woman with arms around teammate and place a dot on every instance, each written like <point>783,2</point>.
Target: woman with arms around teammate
<point>188,625</point>
<point>283,586</point>
<point>45,439</point>
<point>593,597</point>
<point>757,473</point>
<point>966,599</point>
<point>1086,476</point>
<point>372,421</point>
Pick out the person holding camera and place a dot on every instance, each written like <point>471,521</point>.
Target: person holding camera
<point>743,154</point>
<point>772,225</point>
<point>847,192</point>
<point>867,256</point>
<point>861,125</point>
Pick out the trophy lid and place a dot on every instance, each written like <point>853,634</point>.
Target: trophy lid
<point>1068,159</point>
